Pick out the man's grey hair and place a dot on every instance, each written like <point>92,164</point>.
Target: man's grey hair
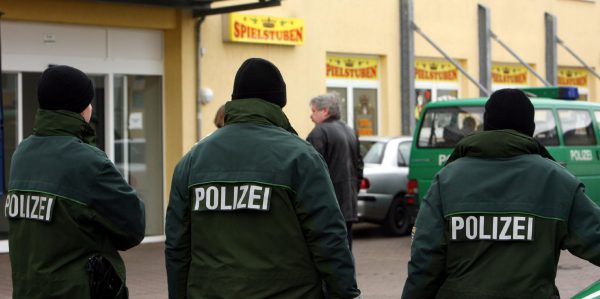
<point>331,101</point>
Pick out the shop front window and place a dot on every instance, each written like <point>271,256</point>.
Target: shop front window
<point>359,108</point>
<point>355,78</point>
<point>343,96</point>
<point>365,111</point>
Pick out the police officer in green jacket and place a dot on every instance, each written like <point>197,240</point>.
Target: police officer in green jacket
<point>496,217</point>
<point>252,211</point>
<point>69,209</point>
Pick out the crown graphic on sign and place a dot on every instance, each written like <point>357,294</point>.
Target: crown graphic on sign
<point>433,66</point>
<point>349,63</point>
<point>268,23</point>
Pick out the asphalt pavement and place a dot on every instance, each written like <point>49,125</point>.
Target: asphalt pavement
<point>380,263</point>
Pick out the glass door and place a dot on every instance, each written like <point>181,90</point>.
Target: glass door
<point>138,147</point>
<point>30,105</point>
<point>97,122</point>
<point>11,135</point>
<point>135,144</point>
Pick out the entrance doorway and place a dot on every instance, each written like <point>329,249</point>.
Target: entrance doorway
<point>132,111</point>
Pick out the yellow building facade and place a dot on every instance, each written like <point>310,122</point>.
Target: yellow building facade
<point>145,64</point>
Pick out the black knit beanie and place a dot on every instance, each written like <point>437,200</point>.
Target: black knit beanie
<point>509,109</point>
<point>259,78</point>
<point>63,87</point>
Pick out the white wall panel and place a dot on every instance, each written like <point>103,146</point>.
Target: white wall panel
<point>31,47</point>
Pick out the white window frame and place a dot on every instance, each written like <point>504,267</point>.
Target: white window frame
<point>436,85</point>
<point>350,85</point>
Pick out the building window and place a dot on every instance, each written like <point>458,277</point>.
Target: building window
<point>356,80</point>
<point>435,80</point>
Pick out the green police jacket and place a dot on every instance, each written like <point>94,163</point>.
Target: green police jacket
<point>66,203</point>
<point>494,221</point>
<point>252,214</point>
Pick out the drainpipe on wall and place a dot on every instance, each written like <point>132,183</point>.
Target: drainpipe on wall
<point>199,54</point>
<point>407,68</point>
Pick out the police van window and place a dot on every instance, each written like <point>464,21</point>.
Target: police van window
<point>597,114</point>
<point>444,127</point>
<point>545,127</point>
<point>577,127</point>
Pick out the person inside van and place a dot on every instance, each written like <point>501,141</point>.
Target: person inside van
<point>496,217</point>
<point>468,125</point>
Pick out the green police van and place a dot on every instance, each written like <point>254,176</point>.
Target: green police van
<point>569,129</point>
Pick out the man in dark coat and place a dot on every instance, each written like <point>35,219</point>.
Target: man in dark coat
<point>338,144</point>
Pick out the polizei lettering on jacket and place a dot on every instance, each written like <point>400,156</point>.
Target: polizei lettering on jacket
<point>29,206</point>
<point>493,228</point>
<point>231,197</point>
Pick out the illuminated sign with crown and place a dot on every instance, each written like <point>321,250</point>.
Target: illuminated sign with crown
<point>244,28</point>
<point>435,70</point>
<point>268,23</point>
<point>573,77</point>
<point>352,67</point>
<point>509,74</point>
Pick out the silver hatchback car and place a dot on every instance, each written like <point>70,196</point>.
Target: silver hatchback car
<point>381,197</point>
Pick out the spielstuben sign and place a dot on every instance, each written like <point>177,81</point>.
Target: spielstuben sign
<point>352,67</point>
<point>573,77</point>
<point>244,28</point>
<point>510,74</point>
<point>435,70</point>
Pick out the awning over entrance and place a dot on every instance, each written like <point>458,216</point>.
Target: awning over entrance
<point>204,7</point>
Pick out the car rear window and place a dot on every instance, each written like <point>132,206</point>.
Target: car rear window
<point>365,146</point>
<point>375,152</point>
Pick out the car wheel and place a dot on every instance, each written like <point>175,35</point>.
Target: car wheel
<point>397,222</point>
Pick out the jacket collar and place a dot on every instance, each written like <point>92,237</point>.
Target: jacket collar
<point>332,118</point>
<point>256,111</point>
<point>63,123</point>
<point>498,144</point>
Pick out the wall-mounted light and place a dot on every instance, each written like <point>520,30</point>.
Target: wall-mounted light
<point>206,95</point>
